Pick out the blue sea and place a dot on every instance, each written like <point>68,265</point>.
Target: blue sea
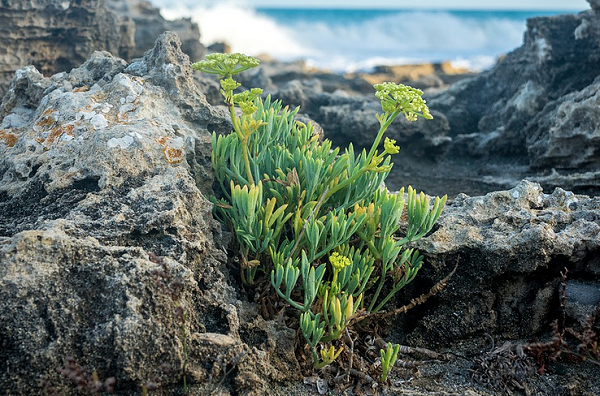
<point>347,40</point>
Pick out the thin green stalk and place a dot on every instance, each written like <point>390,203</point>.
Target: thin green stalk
<point>385,300</point>
<point>382,129</point>
<point>316,364</point>
<point>335,276</point>
<point>335,334</point>
<point>247,160</point>
<point>293,303</point>
<point>241,136</point>
<point>379,287</point>
<point>236,125</point>
<point>243,276</point>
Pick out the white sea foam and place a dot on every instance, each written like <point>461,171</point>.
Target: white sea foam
<point>242,28</point>
<point>401,37</point>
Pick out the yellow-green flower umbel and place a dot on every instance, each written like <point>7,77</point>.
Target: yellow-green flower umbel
<point>338,261</point>
<point>245,100</point>
<point>390,146</point>
<point>403,99</point>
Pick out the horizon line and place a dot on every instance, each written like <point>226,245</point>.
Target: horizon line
<point>383,8</point>
<point>359,7</point>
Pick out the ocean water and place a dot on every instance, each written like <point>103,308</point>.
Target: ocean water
<point>346,40</point>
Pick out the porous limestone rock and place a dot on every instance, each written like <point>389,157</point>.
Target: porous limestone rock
<point>510,247</point>
<point>110,258</point>
<point>500,103</point>
<point>566,133</point>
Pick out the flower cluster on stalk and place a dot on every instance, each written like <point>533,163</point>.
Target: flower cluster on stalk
<point>403,99</point>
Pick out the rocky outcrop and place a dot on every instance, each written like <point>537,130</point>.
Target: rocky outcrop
<point>565,134</point>
<point>534,114</point>
<point>553,61</point>
<point>535,111</point>
<point>57,36</point>
<point>110,259</point>
<point>510,247</point>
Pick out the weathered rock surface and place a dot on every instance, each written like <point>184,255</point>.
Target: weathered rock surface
<point>56,36</point>
<point>108,250</point>
<point>510,247</point>
<point>583,299</point>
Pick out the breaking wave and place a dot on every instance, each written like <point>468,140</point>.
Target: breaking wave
<point>350,40</point>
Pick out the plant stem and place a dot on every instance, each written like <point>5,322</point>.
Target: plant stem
<point>316,364</point>
<point>291,302</point>
<point>240,134</point>
<point>382,129</point>
<point>236,125</point>
<point>379,287</point>
<point>347,181</point>
<point>386,299</point>
<point>247,160</point>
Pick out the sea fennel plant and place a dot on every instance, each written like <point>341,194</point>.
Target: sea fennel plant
<point>313,221</point>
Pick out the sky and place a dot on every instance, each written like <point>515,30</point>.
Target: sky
<point>576,5</point>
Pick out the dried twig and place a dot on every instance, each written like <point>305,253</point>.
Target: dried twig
<point>351,353</point>
<point>421,299</point>
<point>362,376</point>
